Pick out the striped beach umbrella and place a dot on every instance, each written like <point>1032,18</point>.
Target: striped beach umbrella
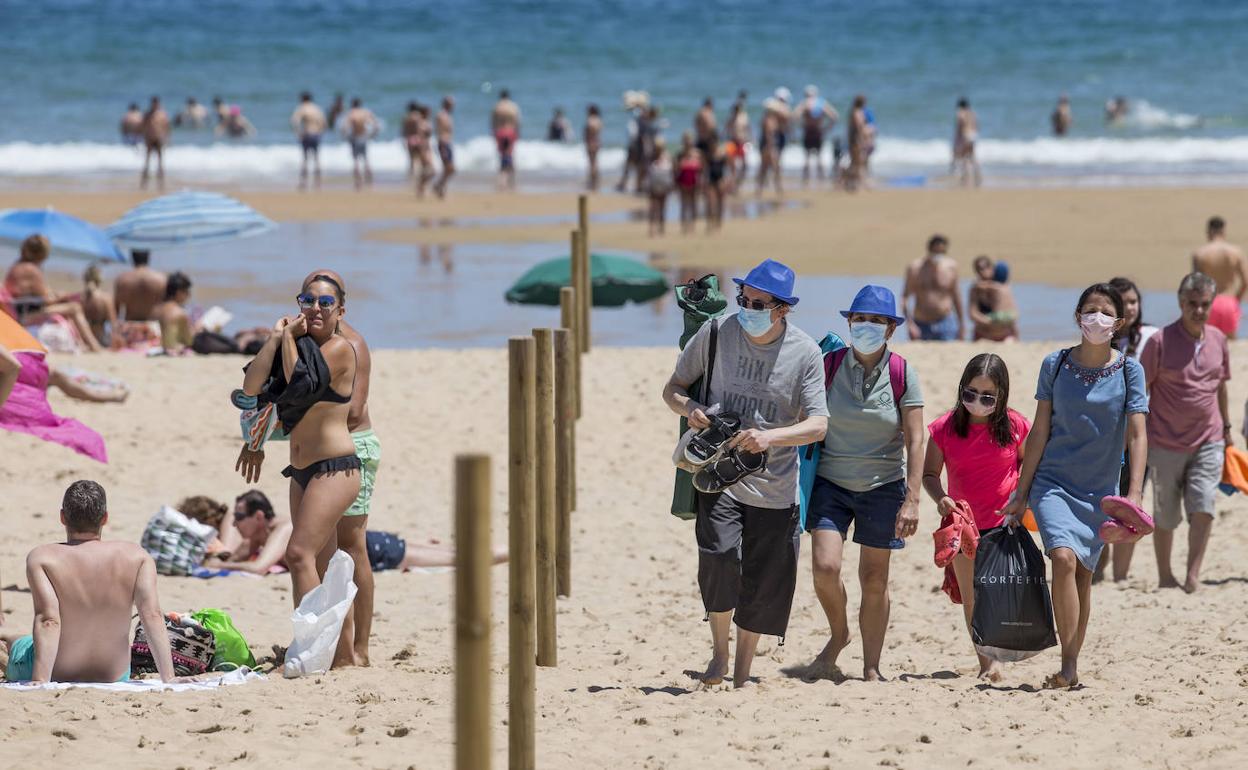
<point>188,217</point>
<point>68,235</point>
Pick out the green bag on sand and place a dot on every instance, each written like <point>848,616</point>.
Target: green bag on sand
<point>232,648</point>
<point>701,301</point>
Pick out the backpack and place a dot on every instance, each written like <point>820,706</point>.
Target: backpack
<point>701,301</point>
<point>834,353</point>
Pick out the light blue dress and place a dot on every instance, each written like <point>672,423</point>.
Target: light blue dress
<point>1082,460</point>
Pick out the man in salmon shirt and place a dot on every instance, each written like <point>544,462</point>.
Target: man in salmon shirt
<point>1187,365</point>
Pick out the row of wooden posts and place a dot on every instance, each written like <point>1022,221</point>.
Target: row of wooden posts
<point>544,401</point>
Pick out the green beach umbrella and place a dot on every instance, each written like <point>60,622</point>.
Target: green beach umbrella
<point>615,280</point>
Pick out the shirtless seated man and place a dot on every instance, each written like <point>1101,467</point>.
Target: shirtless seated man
<point>84,591</point>
<point>176,330</point>
<point>933,282</point>
<point>1224,263</point>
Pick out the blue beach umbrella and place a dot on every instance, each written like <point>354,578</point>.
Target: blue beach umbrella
<point>68,235</point>
<point>188,217</point>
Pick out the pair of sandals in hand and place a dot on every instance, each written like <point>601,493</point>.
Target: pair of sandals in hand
<point>717,466</point>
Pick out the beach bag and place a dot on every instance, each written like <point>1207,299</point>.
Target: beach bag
<point>231,647</point>
<point>834,352</point>
<point>319,618</point>
<point>701,301</point>
<point>176,542</point>
<point>190,644</point>
<point>1234,471</point>
<point>1013,617</point>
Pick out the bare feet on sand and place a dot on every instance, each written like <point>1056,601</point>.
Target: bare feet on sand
<point>1167,581</point>
<point>1059,682</point>
<point>872,674</point>
<point>1191,585</point>
<point>715,672</point>
<point>991,672</point>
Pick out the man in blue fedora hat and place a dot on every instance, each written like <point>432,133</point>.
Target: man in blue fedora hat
<point>933,282</point>
<point>869,475</point>
<point>770,374</point>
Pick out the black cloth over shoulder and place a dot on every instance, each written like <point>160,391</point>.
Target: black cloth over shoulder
<point>309,384</point>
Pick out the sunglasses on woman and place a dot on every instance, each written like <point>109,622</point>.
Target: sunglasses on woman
<point>987,399</point>
<point>308,301</point>
<point>754,304</point>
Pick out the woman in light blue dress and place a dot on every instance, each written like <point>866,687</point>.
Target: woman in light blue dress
<point>1091,404</point>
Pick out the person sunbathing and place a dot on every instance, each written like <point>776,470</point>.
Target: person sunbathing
<point>83,592</point>
<point>34,301</point>
<point>259,536</point>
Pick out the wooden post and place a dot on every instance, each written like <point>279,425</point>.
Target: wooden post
<point>565,457</point>
<point>547,646</point>
<point>472,612</point>
<point>586,289</point>
<point>521,508</point>
<point>568,311</point>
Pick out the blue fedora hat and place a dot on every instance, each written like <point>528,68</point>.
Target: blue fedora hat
<point>874,300</point>
<point>772,277</point>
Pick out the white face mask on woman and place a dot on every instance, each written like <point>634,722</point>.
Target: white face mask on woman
<point>1097,328</point>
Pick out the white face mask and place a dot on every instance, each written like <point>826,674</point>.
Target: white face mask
<point>979,410</point>
<point>868,337</point>
<point>1097,328</point>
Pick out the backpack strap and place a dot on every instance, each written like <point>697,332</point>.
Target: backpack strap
<point>897,377</point>
<point>831,363</point>
<point>710,361</point>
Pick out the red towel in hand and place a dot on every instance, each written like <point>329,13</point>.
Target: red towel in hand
<point>957,534</point>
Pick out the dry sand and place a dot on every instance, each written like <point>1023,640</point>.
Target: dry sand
<point>1165,674</point>
<point>1062,237</point>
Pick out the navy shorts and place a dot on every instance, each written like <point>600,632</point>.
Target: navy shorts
<point>873,513</point>
<point>385,550</point>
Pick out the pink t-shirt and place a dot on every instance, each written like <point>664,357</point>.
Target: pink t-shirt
<point>1183,384</point>
<point>980,471</point>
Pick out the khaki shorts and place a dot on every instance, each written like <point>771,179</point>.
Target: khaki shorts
<point>1187,478</point>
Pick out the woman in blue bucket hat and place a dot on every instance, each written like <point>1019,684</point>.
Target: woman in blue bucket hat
<point>766,377</point>
<point>869,474</point>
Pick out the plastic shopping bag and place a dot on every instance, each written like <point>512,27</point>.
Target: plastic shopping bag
<point>319,618</point>
<point>1013,617</point>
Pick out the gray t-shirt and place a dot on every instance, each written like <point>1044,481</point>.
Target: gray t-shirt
<point>865,445</point>
<point>769,386</point>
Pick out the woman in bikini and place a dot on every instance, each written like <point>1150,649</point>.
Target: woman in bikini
<point>688,177</point>
<point>33,301</point>
<point>307,368</point>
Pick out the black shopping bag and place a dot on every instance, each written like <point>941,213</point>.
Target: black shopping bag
<point>1013,617</point>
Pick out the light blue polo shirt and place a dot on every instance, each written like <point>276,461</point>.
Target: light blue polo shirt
<point>865,445</point>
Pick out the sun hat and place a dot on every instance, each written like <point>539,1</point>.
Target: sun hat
<point>783,94</point>
<point>874,300</point>
<point>772,277</point>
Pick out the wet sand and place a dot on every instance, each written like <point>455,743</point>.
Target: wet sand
<point>1164,673</point>
<point>1060,237</point>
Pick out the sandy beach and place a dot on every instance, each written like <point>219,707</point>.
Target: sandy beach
<point>1164,675</point>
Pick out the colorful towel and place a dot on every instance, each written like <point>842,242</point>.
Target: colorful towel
<point>27,411</point>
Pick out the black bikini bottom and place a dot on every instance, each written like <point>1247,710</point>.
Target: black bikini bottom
<point>302,476</point>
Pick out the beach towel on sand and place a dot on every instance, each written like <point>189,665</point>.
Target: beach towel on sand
<point>27,411</point>
<point>239,676</point>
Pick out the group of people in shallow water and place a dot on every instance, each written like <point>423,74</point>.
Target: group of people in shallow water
<point>858,411</point>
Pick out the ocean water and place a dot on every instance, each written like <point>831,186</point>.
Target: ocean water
<point>69,67</point>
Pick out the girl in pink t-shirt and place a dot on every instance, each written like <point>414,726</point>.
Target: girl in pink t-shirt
<point>980,446</point>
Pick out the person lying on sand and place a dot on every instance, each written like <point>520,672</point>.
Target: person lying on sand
<point>258,539</point>
<point>83,592</point>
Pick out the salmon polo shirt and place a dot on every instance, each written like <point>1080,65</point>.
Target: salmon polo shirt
<point>1184,375</point>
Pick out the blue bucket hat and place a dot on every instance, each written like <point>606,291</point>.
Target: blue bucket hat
<point>874,300</point>
<point>772,277</point>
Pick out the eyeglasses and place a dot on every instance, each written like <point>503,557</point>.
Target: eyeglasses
<point>308,301</point>
<point>987,399</point>
<point>240,515</point>
<point>754,304</point>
